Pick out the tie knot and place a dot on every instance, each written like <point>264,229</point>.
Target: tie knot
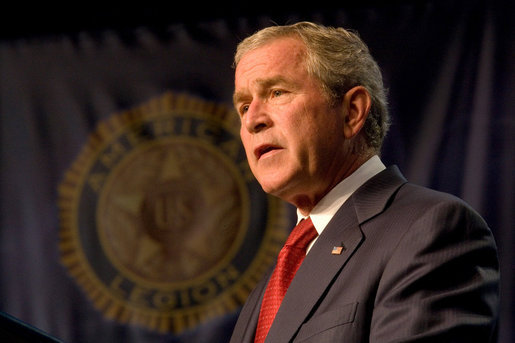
<point>302,234</point>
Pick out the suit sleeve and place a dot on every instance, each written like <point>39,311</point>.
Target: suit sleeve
<point>441,282</point>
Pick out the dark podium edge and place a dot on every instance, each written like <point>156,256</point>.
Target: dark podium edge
<point>14,330</point>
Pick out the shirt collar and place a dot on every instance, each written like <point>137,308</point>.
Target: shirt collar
<point>324,211</point>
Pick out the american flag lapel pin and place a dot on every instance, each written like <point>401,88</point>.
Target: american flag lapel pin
<point>337,250</point>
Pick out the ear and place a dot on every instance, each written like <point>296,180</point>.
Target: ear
<point>357,102</point>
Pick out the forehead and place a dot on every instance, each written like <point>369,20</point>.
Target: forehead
<point>281,57</point>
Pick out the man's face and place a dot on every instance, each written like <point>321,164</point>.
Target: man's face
<point>293,136</point>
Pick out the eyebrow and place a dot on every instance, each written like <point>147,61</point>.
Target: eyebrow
<point>263,84</point>
<point>239,97</point>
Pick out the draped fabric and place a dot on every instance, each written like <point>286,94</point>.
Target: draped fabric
<point>448,66</point>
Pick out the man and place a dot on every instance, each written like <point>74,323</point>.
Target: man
<point>389,261</point>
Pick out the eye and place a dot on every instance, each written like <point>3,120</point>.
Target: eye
<point>277,92</point>
<point>244,109</point>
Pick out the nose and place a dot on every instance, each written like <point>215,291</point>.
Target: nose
<point>257,118</point>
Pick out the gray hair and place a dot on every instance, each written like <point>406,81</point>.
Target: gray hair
<point>341,61</point>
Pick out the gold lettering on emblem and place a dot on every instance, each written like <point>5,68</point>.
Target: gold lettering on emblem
<point>116,286</point>
<point>112,155</point>
<point>185,128</point>
<point>164,300</point>
<point>206,131</point>
<point>135,136</point>
<point>225,277</point>
<point>204,292</point>
<point>163,128</point>
<point>139,295</point>
<point>96,180</point>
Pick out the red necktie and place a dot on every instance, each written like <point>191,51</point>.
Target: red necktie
<point>289,260</point>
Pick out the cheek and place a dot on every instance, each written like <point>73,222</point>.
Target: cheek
<point>321,135</point>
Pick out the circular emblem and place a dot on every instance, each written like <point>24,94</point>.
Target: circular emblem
<point>162,223</point>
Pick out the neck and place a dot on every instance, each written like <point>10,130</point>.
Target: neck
<point>306,201</point>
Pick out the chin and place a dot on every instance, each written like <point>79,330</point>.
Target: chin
<point>268,189</point>
<point>276,189</point>
<point>276,184</point>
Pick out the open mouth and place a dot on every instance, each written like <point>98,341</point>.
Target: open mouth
<point>264,149</point>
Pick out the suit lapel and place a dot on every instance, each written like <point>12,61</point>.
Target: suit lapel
<point>311,281</point>
<point>245,328</point>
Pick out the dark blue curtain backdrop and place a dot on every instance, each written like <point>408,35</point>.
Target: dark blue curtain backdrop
<point>448,65</point>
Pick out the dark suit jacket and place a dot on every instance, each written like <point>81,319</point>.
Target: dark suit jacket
<point>417,266</point>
